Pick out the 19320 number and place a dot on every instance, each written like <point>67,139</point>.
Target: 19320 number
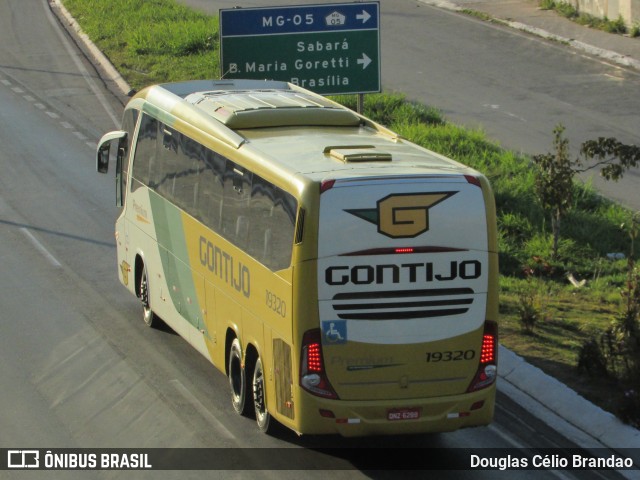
<point>276,304</point>
<point>450,356</point>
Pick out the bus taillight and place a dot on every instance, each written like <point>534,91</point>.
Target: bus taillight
<point>313,377</point>
<point>327,185</point>
<point>487,370</point>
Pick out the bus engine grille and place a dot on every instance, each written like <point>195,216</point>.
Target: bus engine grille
<point>402,304</point>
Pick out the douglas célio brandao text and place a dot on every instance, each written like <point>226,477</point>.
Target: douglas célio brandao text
<point>549,461</point>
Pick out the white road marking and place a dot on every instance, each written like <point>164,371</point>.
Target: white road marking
<point>34,241</point>
<point>85,74</point>
<point>515,443</point>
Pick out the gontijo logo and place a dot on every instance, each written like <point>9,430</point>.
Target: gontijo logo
<point>404,215</point>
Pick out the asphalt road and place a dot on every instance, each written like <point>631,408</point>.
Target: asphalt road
<point>79,368</point>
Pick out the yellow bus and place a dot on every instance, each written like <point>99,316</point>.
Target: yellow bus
<point>343,278</point>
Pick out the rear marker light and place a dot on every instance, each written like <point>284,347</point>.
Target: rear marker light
<point>487,369</point>
<point>473,180</point>
<point>313,377</point>
<point>348,420</point>
<point>326,185</point>
<point>458,415</point>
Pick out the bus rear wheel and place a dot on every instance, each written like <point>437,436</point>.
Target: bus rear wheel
<point>263,418</point>
<point>237,379</point>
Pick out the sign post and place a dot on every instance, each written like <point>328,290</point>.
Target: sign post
<point>330,49</point>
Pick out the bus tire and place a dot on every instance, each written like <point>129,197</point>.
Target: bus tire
<point>237,379</point>
<point>263,417</point>
<point>148,316</point>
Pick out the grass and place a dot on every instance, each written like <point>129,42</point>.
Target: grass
<point>151,41</point>
<point>567,10</point>
<point>569,317</point>
<point>156,41</point>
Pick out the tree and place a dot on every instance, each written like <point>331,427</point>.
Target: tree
<point>554,182</point>
<point>555,172</point>
<point>607,151</point>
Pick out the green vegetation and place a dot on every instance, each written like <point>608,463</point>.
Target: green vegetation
<point>151,41</point>
<point>480,15</point>
<point>544,317</point>
<point>572,13</point>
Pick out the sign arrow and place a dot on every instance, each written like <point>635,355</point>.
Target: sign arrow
<point>364,16</point>
<point>364,61</point>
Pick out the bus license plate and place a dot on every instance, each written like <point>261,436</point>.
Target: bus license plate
<point>403,414</point>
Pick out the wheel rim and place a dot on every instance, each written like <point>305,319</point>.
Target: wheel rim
<point>147,314</point>
<point>237,379</point>
<point>258,394</point>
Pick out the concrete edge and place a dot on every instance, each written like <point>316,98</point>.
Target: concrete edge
<point>562,408</point>
<point>69,22</point>
<point>609,55</point>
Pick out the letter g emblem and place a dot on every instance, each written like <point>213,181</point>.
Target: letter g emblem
<point>407,215</point>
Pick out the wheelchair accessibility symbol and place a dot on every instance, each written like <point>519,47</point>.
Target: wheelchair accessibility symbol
<point>334,331</point>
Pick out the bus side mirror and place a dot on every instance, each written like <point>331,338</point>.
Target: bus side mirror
<point>103,158</point>
<point>102,154</point>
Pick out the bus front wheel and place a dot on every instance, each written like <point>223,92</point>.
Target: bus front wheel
<point>147,314</point>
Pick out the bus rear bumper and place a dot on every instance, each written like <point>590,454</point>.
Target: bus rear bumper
<point>398,417</point>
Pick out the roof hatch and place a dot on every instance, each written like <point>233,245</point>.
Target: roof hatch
<point>357,153</point>
<point>271,108</point>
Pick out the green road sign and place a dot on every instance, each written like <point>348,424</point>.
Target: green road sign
<point>330,49</point>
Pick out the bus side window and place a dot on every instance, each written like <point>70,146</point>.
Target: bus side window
<point>129,120</point>
<point>260,245</point>
<point>271,221</point>
<point>169,163</point>
<point>210,189</point>
<point>285,207</point>
<point>188,176</point>
<point>235,213</point>
<point>145,155</point>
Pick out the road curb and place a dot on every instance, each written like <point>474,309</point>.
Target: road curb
<point>562,408</point>
<point>70,23</point>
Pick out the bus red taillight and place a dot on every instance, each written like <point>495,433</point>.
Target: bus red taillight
<point>488,352</point>
<point>314,358</point>
<point>473,180</point>
<point>487,370</point>
<point>327,185</point>
<point>313,377</point>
